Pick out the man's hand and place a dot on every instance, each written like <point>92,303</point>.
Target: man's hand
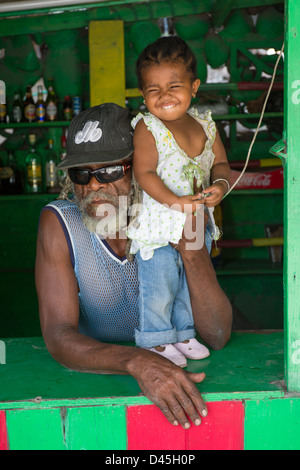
<point>170,388</point>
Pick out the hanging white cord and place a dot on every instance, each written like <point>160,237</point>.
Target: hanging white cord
<point>259,122</point>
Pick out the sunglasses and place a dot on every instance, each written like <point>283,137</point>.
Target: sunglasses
<point>108,174</point>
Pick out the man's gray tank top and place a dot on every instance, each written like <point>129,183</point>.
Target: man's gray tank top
<point>108,285</point>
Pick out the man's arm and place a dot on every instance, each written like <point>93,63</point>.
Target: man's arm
<point>58,301</point>
<point>212,310</point>
<point>168,386</point>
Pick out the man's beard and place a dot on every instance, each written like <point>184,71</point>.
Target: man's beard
<point>110,218</point>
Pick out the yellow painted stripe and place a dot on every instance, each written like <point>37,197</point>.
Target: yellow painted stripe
<point>107,62</point>
<point>273,241</point>
<point>270,162</point>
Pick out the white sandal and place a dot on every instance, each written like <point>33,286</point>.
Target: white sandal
<point>192,349</point>
<point>171,353</point>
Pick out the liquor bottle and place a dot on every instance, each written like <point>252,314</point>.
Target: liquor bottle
<point>10,175</point>
<point>76,105</point>
<point>33,168</point>
<point>2,102</point>
<point>17,108</point>
<point>2,113</point>
<point>29,106</point>
<point>67,109</point>
<point>40,106</point>
<point>51,102</point>
<point>51,169</point>
<point>62,174</point>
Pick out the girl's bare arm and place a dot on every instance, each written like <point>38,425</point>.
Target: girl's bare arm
<point>220,171</point>
<point>145,158</point>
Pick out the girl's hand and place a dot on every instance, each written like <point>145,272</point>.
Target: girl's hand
<point>217,192</point>
<point>189,204</point>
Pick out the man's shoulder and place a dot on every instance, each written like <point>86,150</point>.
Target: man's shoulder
<point>60,204</point>
<point>62,207</point>
<point>58,222</point>
<point>65,211</point>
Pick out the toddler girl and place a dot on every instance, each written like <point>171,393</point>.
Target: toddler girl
<point>176,150</point>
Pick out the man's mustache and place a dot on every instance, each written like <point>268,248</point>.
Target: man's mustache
<point>97,195</point>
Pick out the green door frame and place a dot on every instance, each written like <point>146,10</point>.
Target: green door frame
<point>292,197</point>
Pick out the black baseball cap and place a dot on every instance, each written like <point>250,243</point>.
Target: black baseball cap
<point>101,134</point>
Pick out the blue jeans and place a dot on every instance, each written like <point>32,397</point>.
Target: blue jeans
<point>164,301</point>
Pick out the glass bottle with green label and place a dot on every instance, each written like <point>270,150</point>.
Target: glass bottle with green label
<point>67,109</point>
<point>29,106</point>
<point>62,174</point>
<point>10,176</point>
<point>51,169</point>
<point>33,168</point>
<point>17,108</point>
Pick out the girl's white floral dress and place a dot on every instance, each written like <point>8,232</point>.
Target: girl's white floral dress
<point>156,224</point>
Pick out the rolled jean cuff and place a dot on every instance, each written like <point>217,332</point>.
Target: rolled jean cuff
<point>186,334</point>
<point>149,339</point>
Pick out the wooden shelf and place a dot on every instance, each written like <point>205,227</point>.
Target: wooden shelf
<point>249,267</point>
<point>243,116</point>
<point>235,192</point>
<point>252,192</point>
<point>216,117</point>
<point>21,125</point>
<point>23,197</point>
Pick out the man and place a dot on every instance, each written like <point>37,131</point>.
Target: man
<point>88,290</point>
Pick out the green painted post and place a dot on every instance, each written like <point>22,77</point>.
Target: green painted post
<point>96,428</point>
<point>292,198</point>
<point>272,424</point>
<point>35,429</point>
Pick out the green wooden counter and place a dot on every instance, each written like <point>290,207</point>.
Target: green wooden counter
<point>248,364</point>
<point>46,406</point>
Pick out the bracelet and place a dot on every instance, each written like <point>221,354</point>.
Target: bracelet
<point>222,179</point>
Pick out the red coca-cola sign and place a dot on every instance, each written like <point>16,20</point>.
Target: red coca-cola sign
<point>263,180</point>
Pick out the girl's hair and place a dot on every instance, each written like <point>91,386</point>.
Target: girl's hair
<point>166,49</point>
